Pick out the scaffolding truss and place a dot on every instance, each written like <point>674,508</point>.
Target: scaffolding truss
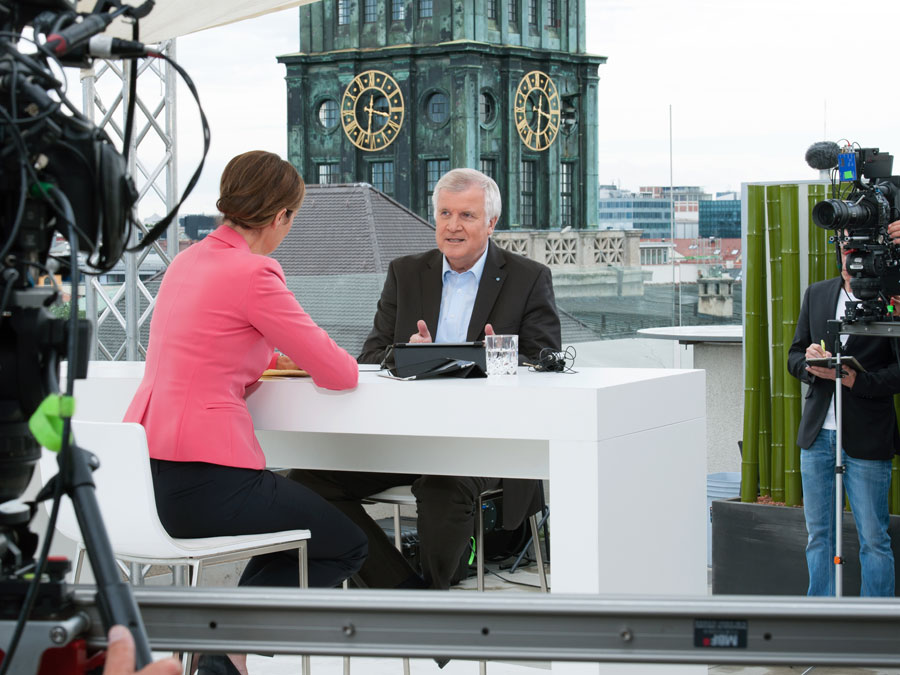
<point>119,304</point>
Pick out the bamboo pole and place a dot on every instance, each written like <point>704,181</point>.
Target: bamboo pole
<point>790,262</point>
<point>774,461</point>
<point>773,211</point>
<point>755,298</point>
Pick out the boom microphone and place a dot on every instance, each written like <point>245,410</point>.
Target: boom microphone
<point>823,155</point>
<point>65,40</point>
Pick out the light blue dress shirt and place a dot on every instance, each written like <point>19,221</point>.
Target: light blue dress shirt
<point>458,300</point>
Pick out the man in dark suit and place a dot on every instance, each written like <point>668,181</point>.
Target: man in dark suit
<point>869,438</point>
<point>465,288</point>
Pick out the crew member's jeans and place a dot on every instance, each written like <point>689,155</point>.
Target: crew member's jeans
<point>867,483</point>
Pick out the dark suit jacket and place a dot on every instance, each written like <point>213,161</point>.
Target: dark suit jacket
<point>869,424</point>
<point>515,296</point>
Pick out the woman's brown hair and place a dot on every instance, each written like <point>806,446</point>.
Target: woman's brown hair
<point>255,186</point>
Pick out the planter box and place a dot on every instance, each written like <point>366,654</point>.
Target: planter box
<point>758,549</point>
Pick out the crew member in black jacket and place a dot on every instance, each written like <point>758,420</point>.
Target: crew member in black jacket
<point>870,439</point>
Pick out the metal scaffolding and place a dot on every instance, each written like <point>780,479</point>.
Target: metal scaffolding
<point>120,311</point>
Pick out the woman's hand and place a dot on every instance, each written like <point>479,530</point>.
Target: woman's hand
<point>284,363</point>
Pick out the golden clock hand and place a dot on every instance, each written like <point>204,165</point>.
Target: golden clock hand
<point>369,108</point>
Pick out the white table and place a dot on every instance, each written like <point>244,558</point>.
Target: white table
<point>624,450</point>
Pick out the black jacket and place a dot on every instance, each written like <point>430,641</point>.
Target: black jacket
<point>869,423</point>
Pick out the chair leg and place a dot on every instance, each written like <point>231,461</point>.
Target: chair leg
<point>304,583</point>
<point>479,562</point>
<point>538,555</point>
<point>79,564</point>
<point>136,573</point>
<point>398,540</point>
<point>398,543</point>
<point>479,543</point>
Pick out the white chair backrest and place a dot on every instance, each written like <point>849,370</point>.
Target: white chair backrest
<point>124,489</point>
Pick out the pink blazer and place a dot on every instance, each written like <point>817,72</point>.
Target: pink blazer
<point>220,312</point>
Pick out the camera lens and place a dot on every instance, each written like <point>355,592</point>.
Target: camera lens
<point>834,214</point>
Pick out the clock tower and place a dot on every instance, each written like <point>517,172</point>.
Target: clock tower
<point>397,92</point>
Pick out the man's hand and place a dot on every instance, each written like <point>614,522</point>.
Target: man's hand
<point>894,231</point>
<point>488,329</point>
<point>423,335</point>
<point>120,657</point>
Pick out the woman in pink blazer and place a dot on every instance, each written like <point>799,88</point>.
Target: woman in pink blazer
<point>222,308</point>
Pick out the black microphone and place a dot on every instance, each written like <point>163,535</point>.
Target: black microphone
<point>63,41</point>
<point>105,47</point>
<point>823,155</point>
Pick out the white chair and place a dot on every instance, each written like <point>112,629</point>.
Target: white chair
<point>124,489</point>
<point>402,496</point>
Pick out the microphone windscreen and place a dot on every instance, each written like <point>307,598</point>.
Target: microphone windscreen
<point>823,155</point>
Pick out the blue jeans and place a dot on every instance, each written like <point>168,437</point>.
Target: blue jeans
<point>867,482</point>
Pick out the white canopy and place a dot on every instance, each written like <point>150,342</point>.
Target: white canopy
<point>171,18</point>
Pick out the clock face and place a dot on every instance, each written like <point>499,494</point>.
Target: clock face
<point>536,110</point>
<point>372,110</point>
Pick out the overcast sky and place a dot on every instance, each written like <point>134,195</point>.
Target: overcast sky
<point>751,85</point>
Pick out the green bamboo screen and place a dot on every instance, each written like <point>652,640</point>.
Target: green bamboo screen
<point>773,293</point>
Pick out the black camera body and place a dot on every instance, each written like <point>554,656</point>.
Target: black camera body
<point>860,222</point>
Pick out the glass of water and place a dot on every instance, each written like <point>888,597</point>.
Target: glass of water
<point>501,354</point>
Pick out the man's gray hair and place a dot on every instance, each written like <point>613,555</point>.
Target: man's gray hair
<point>460,180</point>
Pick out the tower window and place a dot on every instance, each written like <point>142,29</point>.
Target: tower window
<point>398,10</point>
<point>513,11</point>
<point>533,13</point>
<point>426,9</point>
<point>434,169</point>
<point>566,201</point>
<point>438,107</point>
<point>343,12</point>
<point>328,113</point>
<point>487,108</point>
<point>489,167</point>
<point>553,13</point>
<point>526,193</point>
<point>492,10</point>
<point>381,175</point>
<point>370,15</point>
<point>329,173</point>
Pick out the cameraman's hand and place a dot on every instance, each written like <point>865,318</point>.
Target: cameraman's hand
<point>120,657</point>
<point>894,231</point>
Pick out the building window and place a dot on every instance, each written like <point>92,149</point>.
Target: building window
<point>487,108</point>
<point>514,11</point>
<point>566,201</point>
<point>426,8</point>
<point>533,13</point>
<point>553,13</point>
<point>438,107</point>
<point>381,175</point>
<point>329,173</point>
<point>526,200</point>
<point>370,13</point>
<point>328,113</point>
<point>489,167</point>
<point>398,10</point>
<point>434,169</point>
<point>343,12</point>
<point>492,10</point>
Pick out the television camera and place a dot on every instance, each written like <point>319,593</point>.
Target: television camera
<point>60,176</point>
<point>860,218</point>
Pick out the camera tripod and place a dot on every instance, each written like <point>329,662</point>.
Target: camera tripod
<point>835,329</point>
<point>38,339</point>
